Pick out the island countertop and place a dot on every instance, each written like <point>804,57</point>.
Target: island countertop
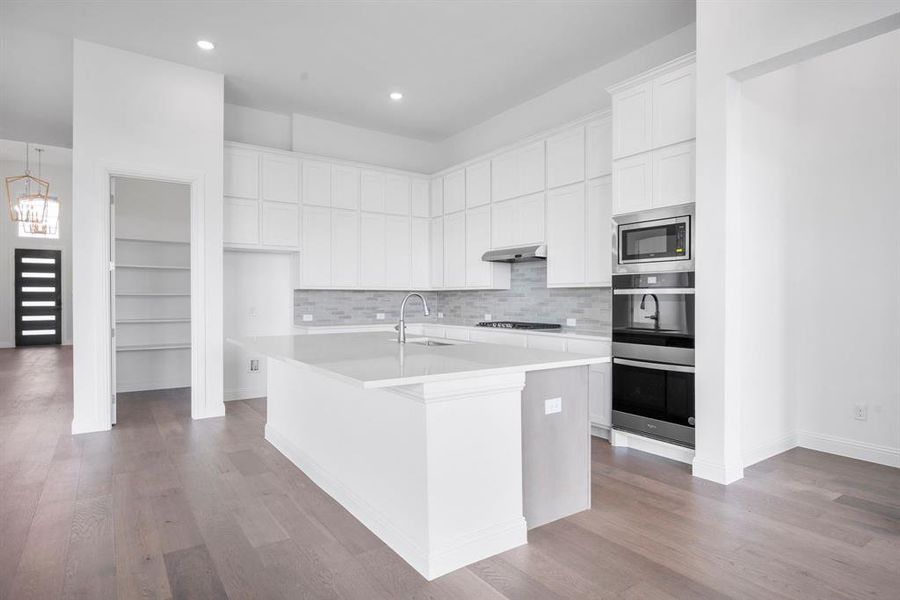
<point>377,360</point>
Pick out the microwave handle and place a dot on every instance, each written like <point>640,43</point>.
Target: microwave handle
<point>649,365</point>
<point>639,291</point>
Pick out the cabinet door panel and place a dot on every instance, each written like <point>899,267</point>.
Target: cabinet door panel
<point>504,227</point>
<point>241,221</point>
<point>396,194</point>
<point>673,175</point>
<point>454,192</point>
<point>631,120</point>
<point>674,108</point>
<point>371,250</point>
<point>437,252</point>
<point>437,197</point>
<point>478,184</point>
<point>280,225</point>
<point>599,148</point>
<point>281,178</point>
<point>419,198</point>
<point>371,191</point>
<point>599,231</point>
<point>631,184</point>
<point>478,241</point>
<point>565,157</point>
<point>316,183</point>
<point>565,235</point>
<point>419,255</point>
<point>600,391</point>
<point>504,176</point>
<point>397,251</point>
<point>344,187</point>
<point>530,168</point>
<point>530,220</point>
<point>455,250</point>
<point>316,255</point>
<point>344,248</point>
<point>241,173</point>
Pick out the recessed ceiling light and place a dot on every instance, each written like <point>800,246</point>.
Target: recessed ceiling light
<point>205,45</point>
<point>396,96</point>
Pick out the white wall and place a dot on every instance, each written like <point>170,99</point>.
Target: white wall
<point>259,127</point>
<point>57,169</point>
<point>144,117</point>
<point>258,301</point>
<point>732,36</point>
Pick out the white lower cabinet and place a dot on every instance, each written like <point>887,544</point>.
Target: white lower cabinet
<point>600,395</point>
<point>371,250</point>
<point>420,248</point>
<point>279,225</point>
<point>396,251</point>
<point>316,253</point>
<point>566,247</point>
<point>344,248</point>
<point>455,250</point>
<point>241,222</point>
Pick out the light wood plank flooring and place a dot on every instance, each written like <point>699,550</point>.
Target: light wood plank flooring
<point>167,507</point>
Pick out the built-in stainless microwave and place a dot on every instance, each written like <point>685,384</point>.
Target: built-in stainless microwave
<point>655,240</point>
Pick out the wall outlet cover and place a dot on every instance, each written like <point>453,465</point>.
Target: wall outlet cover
<point>860,412</point>
<point>307,317</point>
<point>552,406</point>
<point>570,322</point>
<point>379,316</point>
<point>487,316</point>
<point>254,365</point>
<point>440,315</point>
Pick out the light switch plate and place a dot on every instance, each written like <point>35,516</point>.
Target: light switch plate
<point>487,316</point>
<point>552,406</point>
<point>440,315</point>
<point>307,317</point>
<point>379,316</point>
<point>570,322</point>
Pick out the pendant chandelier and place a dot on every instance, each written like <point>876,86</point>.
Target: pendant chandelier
<point>28,196</point>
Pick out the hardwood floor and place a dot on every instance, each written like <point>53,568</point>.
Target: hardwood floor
<point>167,507</point>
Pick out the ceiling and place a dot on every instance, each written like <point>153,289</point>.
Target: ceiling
<point>456,62</point>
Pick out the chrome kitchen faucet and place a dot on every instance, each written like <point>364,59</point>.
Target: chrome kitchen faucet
<point>401,326</point>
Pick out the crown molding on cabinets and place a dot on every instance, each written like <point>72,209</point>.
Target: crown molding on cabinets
<point>653,73</point>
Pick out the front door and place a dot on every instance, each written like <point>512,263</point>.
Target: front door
<point>38,295</point>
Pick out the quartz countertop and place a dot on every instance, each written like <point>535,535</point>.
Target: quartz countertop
<point>571,332</point>
<point>374,359</point>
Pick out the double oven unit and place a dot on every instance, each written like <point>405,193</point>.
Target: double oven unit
<point>653,323</point>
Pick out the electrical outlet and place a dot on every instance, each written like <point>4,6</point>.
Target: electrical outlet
<point>440,315</point>
<point>860,412</point>
<point>552,406</point>
<point>487,316</point>
<point>252,312</point>
<point>254,365</point>
<point>570,322</point>
<point>379,316</point>
<point>307,317</point>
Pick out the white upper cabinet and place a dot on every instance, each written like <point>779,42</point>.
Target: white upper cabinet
<point>599,147</point>
<point>316,254</point>
<point>397,251</point>
<point>419,198</point>
<point>455,250</point>
<point>566,244</point>
<point>241,173</point>
<point>632,120</point>
<point>599,231</point>
<point>478,241</point>
<point>631,181</point>
<point>344,248</point>
<point>280,225</point>
<point>437,196</point>
<point>420,235</point>
<point>240,222</point>
<point>454,192</point>
<point>478,184</point>
<point>674,107</point>
<point>371,250</point>
<point>316,183</point>
<point>396,194</point>
<point>344,187</point>
<point>518,172</point>
<point>565,157</point>
<point>436,275</point>
<point>281,178</point>
<point>371,191</point>
<point>518,221</point>
<point>673,174</point>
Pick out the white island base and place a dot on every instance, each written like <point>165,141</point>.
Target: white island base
<point>433,469</point>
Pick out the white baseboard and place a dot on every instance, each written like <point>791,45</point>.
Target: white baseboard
<point>79,427</point>
<point>625,439</point>
<point>243,394</point>
<point>470,548</point>
<point>123,387</point>
<point>882,455</point>
<point>601,431</point>
<point>716,472</point>
<point>769,449</point>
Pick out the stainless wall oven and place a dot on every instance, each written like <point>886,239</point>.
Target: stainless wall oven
<point>654,241</point>
<point>653,355</point>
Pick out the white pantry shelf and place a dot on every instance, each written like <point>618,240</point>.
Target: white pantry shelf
<point>162,320</point>
<point>144,347</point>
<point>154,267</point>
<point>132,239</point>
<point>152,294</point>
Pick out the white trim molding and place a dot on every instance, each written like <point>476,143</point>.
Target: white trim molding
<point>874,453</point>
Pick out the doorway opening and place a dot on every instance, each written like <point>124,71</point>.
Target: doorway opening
<point>150,289</point>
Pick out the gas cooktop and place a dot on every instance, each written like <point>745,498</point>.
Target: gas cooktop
<point>518,325</point>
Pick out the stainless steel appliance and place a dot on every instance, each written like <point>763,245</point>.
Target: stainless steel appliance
<point>654,241</point>
<point>653,355</point>
<point>517,325</point>
<point>517,254</point>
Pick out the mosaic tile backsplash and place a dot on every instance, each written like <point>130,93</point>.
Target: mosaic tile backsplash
<point>528,299</point>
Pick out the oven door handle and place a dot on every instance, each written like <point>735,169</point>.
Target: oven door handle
<point>649,365</point>
<point>639,291</point>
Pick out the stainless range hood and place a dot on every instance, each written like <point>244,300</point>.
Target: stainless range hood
<point>517,254</point>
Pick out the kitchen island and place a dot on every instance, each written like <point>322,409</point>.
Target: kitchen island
<point>423,441</point>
